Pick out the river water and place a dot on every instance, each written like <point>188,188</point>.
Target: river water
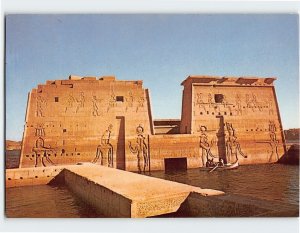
<point>276,183</point>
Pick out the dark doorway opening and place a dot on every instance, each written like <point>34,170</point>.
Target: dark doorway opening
<point>175,164</point>
<point>120,151</point>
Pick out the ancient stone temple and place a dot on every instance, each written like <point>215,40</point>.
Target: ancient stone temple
<point>109,122</point>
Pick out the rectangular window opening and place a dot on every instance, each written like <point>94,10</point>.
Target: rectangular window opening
<point>219,98</point>
<point>56,99</point>
<point>120,98</point>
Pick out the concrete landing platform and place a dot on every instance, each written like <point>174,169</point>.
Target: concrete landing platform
<point>118,193</point>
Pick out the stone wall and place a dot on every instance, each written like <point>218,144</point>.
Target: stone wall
<point>234,115</point>
<point>109,122</point>
<point>67,120</point>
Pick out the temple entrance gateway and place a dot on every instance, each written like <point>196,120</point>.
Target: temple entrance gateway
<point>221,138</point>
<point>175,164</point>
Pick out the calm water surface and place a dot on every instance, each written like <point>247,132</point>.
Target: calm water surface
<point>273,182</point>
<point>45,201</point>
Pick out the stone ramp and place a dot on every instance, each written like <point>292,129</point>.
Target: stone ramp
<point>117,193</point>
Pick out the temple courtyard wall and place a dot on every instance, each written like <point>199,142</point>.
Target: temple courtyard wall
<point>109,122</point>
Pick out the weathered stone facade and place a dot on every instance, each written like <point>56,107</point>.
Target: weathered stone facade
<point>109,122</point>
<point>234,117</point>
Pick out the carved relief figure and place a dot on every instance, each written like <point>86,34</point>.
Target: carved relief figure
<point>95,102</point>
<point>270,106</point>
<point>70,102</point>
<point>140,149</point>
<point>205,146</point>
<point>112,101</point>
<point>39,130</point>
<point>129,100</point>
<point>238,103</point>
<point>105,149</point>
<point>140,103</point>
<point>80,101</point>
<point>40,104</point>
<point>251,102</point>
<point>254,100</point>
<point>273,140</point>
<point>232,145</point>
<point>41,152</point>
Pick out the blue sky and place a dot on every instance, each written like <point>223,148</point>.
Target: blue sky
<point>162,50</point>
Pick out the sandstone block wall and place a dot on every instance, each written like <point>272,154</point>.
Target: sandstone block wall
<point>109,122</point>
<point>67,120</point>
<point>234,115</point>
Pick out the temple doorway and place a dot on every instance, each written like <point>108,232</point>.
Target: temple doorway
<point>120,151</point>
<point>221,138</point>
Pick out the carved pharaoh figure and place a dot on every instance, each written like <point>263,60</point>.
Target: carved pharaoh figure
<point>80,101</point>
<point>140,103</point>
<point>273,141</point>
<point>70,102</point>
<point>205,146</point>
<point>112,101</point>
<point>129,100</point>
<point>96,111</point>
<point>41,153</point>
<point>105,149</point>
<point>232,145</point>
<point>40,104</point>
<point>140,148</point>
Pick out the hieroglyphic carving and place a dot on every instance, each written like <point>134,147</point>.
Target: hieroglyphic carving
<point>40,104</point>
<point>205,146</point>
<point>40,130</point>
<point>210,100</point>
<point>105,149</point>
<point>140,149</point>
<point>200,102</point>
<point>70,102</point>
<point>273,141</point>
<point>80,102</point>
<point>41,152</point>
<point>96,111</point>
<point>232,145</point>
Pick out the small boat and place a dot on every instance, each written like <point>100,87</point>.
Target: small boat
<point>235,165</point>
